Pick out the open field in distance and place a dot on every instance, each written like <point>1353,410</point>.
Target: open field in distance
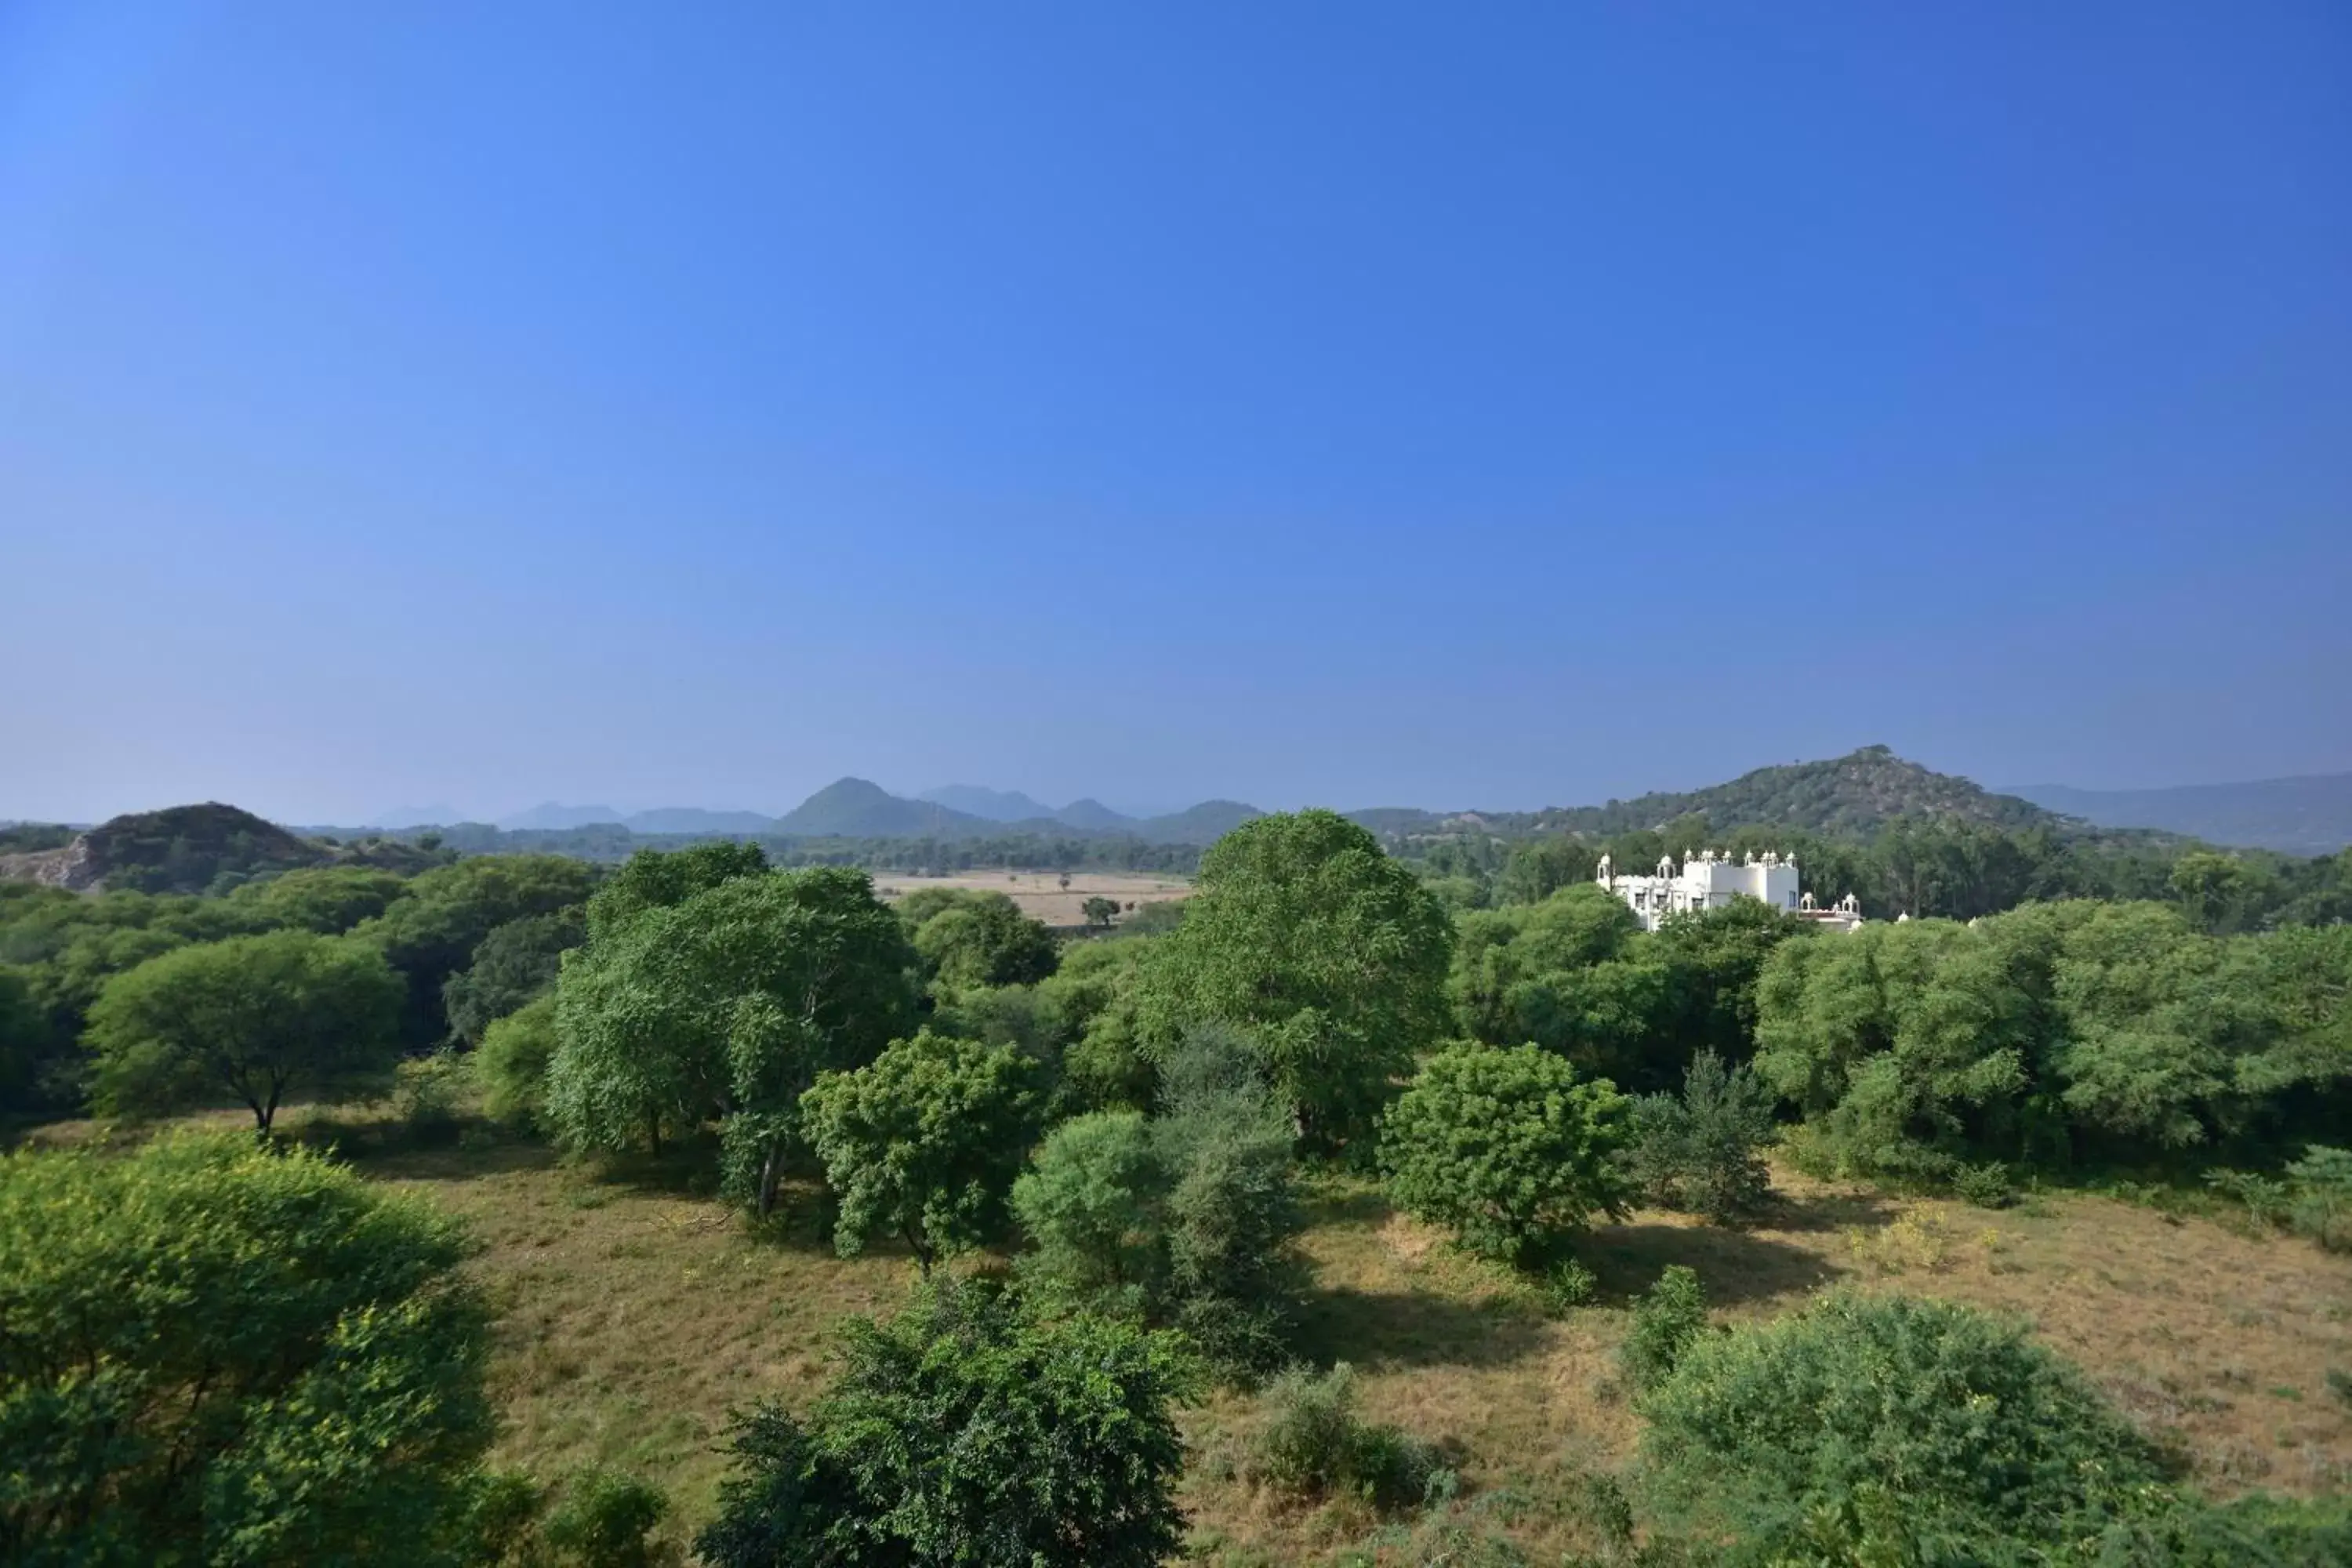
<point>1040,894</point>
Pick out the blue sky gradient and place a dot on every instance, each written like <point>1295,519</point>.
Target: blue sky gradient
<point>1502,405</point>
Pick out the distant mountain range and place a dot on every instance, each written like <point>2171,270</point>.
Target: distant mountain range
<point>858,808</point>
<point>1854,793</point>
<point>2311,815</point>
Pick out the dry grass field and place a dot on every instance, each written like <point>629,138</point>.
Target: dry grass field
<point>635,1314</point>
<point>1040,894</point>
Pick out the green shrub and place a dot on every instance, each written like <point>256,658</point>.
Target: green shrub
<point>1188,1218</point>
<point>426,1099</point>
<point>1668,1318</point>
<point>2269,1202</point>
<point>1318,1446</point>
<point>1703,1151</point>
<point>1922,1430</point>
<point>1987,1185</point>
<point>603,1520</point>
<point>511,1064</point>
<point>1569,1284</point>
<point>970,1431</point>
<point>2320,1206</point>
<point>1508,1148</point>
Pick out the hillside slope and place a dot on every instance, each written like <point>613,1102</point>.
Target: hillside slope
<point>180,849</point>
<point>2310,815</point>
<point>1857,793</point>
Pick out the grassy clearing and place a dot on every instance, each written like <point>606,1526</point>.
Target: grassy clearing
<point>637,1315</point>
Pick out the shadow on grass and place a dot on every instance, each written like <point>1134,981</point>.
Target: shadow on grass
<point>1734,1266</point>
<point>1828,1212</point>
<point>1413,1328</point>
<point>1345,1206</point>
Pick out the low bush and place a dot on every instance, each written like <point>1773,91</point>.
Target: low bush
<point>2319,1203</point>
<point>1569,1284</point>
<point>1886,1428</point>
<point>1987,1185</point>
<point>1702,1150</point>
<point>1317,1445</point>
<point>1668,1321</point>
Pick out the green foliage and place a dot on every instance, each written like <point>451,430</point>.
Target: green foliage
<point>968,1431</point>
<point>1230,1212</point>
<point>2054,1033</point>
<point>256,1017</point>
<point>425,1095</point>
<point>662,879</point>
<point>1509,1149</point>
<point>24,1040</point>
<point>726,1007</point>
<point>1088,1204</point>
<point>1922,1424</point>
<point>433,933</point>
<point>1099,910</point>
<point>982,939</point>
<point>924,1141</point>
<point>1316,1444</point>
<point>1703,1151</point>
<point>604,1520</point>
<point>1568,1284</point>
<point>1330,954</point>
<point>1093,1000</point>
<point>1542,867</point>
<point>2320,1197</point>
<point>1670,1318</point>
<point>1986,1185</point>
<point>512,1062</point>
<point>515,963</point>
<point>1501,950</point>
<point>1189,1218</point>
<point>220,1355</point>
<point>329,899</point>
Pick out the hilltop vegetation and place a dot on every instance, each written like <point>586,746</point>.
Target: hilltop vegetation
<point>205,849</point>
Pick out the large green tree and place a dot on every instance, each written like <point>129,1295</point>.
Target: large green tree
<point>924,1141</point>
<point>329,899</point>
<point>984,939</point>
<point>431,934</point>
<point>1331,955</point>
<point>727,1007</point>
<point>1508,1148</point>
<point>972,1433</point>
<point>256,1017</point>
<point>217,1355</point>
<point>515,963</point>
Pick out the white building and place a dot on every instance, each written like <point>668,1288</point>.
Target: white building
<point>1709,880</point>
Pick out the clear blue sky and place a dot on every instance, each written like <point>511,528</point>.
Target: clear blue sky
<point>1450,405</point>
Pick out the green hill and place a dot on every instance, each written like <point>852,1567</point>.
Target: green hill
<point>1857,793</point>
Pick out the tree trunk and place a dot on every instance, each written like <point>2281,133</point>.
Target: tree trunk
<point>771,1170</point>
<point>652,1132</point>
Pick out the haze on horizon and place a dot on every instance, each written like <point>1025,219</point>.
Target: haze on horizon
<point>416,405</point>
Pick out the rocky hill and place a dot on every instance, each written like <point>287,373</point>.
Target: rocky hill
<point>180,849</point>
